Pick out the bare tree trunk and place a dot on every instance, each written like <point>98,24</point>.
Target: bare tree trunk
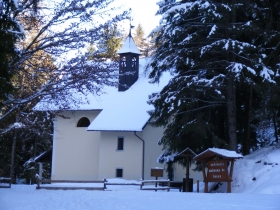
<point>275,126</point>
<point>247,121</point>
<point>231,112</point>
<point>35,148</point>
<point>13,155</point>
<point>231,90</point>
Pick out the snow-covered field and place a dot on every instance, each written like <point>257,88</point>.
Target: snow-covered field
<point>256,186</point>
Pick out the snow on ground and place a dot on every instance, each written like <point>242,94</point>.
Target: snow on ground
<point>255,186</point>
<point>258,172</point>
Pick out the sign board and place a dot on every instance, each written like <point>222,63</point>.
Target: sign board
<point>157,172</point>
<point>217,170</point>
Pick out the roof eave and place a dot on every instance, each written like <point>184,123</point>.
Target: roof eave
<point>114,130</point>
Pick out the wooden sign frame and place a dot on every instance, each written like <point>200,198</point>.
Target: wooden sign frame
<point>217,171</point>
<point>221,176</point>
<point>157,172</point>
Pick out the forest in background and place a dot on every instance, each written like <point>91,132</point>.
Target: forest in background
<point>224,58</point>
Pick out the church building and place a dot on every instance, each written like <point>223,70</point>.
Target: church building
<point>111,136</point>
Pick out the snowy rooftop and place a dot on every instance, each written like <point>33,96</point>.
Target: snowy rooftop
<point>121,111</point>
<point>187,152</point>
<point>127,111</point>
<point>211,152</point>
<point>129,46</point>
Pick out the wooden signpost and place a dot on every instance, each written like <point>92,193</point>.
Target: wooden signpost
<point>217,166</point>
<point>188,154</point>
<point>156,172</point>
<point>217,170</point>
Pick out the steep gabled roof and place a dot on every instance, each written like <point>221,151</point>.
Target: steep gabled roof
<point>187,153</point>
<point>121,111</point>
<point>129,46</point>
<point>128,111</point>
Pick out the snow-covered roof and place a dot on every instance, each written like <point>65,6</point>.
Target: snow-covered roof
<point>127,111</point>
<point>44,157</point>
<point>187,152</point>
<point>129,46</point>
<point>121,111</point>
<point>211,152</point>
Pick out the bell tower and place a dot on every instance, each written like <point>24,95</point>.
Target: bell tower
<point>128,63</point>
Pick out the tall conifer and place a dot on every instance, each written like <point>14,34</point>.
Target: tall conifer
<point>214,50</point>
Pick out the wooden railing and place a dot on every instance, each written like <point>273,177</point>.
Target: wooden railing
<point>47,185</point>
<point>173,185</point>
<point>124,184</point>
<point>157,183</point>
<point>5,182</point>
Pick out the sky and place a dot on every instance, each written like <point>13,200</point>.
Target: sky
<point>143,12</point>
<point>255,186</point>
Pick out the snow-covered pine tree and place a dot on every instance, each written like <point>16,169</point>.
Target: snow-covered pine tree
<point>271,46</point>
<point>214,49</point>
<point>10,32</point>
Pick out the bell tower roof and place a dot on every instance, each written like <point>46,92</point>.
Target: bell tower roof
<point>129,46</point>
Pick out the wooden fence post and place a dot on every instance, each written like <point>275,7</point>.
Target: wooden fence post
<point>104,183</point>
<point>38,183</point>
<point>168,186</point>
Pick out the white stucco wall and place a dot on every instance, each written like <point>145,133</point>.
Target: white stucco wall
<point>152,135</point>
<point>180,173</point>
<point>87,155</point>
<point>129,159</point>
<point>76,151</point>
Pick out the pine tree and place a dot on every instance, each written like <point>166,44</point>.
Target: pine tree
<point>109,43</point>
<point>140,40</point>
<point>214,50</point>
<point>10,32</point>
<point>271,47</point>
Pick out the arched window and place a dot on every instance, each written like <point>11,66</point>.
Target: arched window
<point>123,61</point>
<point>133,62</point>
<point>83,122</point>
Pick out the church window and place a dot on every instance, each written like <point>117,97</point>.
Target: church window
<point>134,61</point>
<point>83,122</point>
<point>123,61</point>
<point>120,143</point>
<point>119,172</point>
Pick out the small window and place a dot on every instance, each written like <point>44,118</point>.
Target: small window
<point>119,172</point>
<point>123,61</point>
<point>120,143</point>
<point>83,122</point>
<point>133,62</point>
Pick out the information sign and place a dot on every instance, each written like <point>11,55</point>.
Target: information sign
<point>217,170</point>
<point>157,172</point>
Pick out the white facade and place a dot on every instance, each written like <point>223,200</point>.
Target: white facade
<point>79,154</point>
<point>75,151</point>
<point>91,152</point>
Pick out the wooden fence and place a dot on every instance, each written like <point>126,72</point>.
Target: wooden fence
<point>47,185</point>
<point>173,185</point>
<point>156,182</point>
<point>124,184</point>
<point>5,182</point>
